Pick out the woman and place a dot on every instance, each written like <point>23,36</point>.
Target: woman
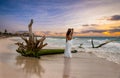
<point>68,47</point>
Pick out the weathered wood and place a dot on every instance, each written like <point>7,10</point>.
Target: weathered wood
<point>80,46</point>
<point>104,43</point>
<point>21,46</point>
<point>100,45</point>
<point>25,39</point>
<point>43,45</point>
<point>33,45</point>
<point>41,42</point>
<point>92,43</point>
<point>38,41</point>
<point>30,34</point>
<point>30,28</point>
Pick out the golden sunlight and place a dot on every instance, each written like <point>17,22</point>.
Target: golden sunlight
<point>107,33</point>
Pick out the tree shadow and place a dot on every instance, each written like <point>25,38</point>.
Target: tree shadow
<point>31,66</point>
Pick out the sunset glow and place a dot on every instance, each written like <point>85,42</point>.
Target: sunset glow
<point>54,17</point>
<point>106,33</point>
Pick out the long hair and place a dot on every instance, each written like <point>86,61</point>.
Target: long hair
<point>68,32</point>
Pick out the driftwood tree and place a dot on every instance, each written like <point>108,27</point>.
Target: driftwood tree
<point>100,45</point>
<point>32,45</point>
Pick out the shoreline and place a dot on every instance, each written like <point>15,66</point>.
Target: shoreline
<point>81,65</point>
<point>2,37</point>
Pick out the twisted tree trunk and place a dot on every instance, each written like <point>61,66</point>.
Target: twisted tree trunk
<point>32,45</point>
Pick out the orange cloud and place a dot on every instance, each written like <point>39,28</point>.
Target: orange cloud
<point>116,34</point>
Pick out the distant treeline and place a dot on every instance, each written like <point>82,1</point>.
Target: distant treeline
<point>6,33</point>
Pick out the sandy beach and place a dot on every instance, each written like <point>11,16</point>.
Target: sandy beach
<point>81,65</point>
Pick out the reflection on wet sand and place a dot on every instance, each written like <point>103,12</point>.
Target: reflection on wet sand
<point>67,67</point>
<point>31,66</point>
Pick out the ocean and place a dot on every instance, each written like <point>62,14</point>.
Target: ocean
<point>110,51</point>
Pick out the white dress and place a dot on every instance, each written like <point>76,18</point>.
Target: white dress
<point>68,47</point>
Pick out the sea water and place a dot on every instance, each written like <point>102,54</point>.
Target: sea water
<point>110,51</point>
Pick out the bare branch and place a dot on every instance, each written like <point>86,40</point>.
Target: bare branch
<point>92,43</point>
<point>43,45</point>
<point>40,40</point>
<point>104,43</point>
<point>25,39</point>
<point>30,30</point>
<point>100,45</point>
<point>30,26</point>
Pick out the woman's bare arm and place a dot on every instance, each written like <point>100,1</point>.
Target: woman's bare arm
<point>71,32</point>
<point>70,35</point>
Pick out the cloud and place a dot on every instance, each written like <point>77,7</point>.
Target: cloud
<point>85,25</point>
<point>55,15</point>
<point>90,25</point>
<point>114,18</point>
<point>94,31</point>
<point>112,30</point>
<point>115,29</point>
<point>111,18</point>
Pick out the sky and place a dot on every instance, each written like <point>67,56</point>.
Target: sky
<point>54,17</point>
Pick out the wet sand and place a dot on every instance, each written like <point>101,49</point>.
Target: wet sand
<point>81,65</point>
